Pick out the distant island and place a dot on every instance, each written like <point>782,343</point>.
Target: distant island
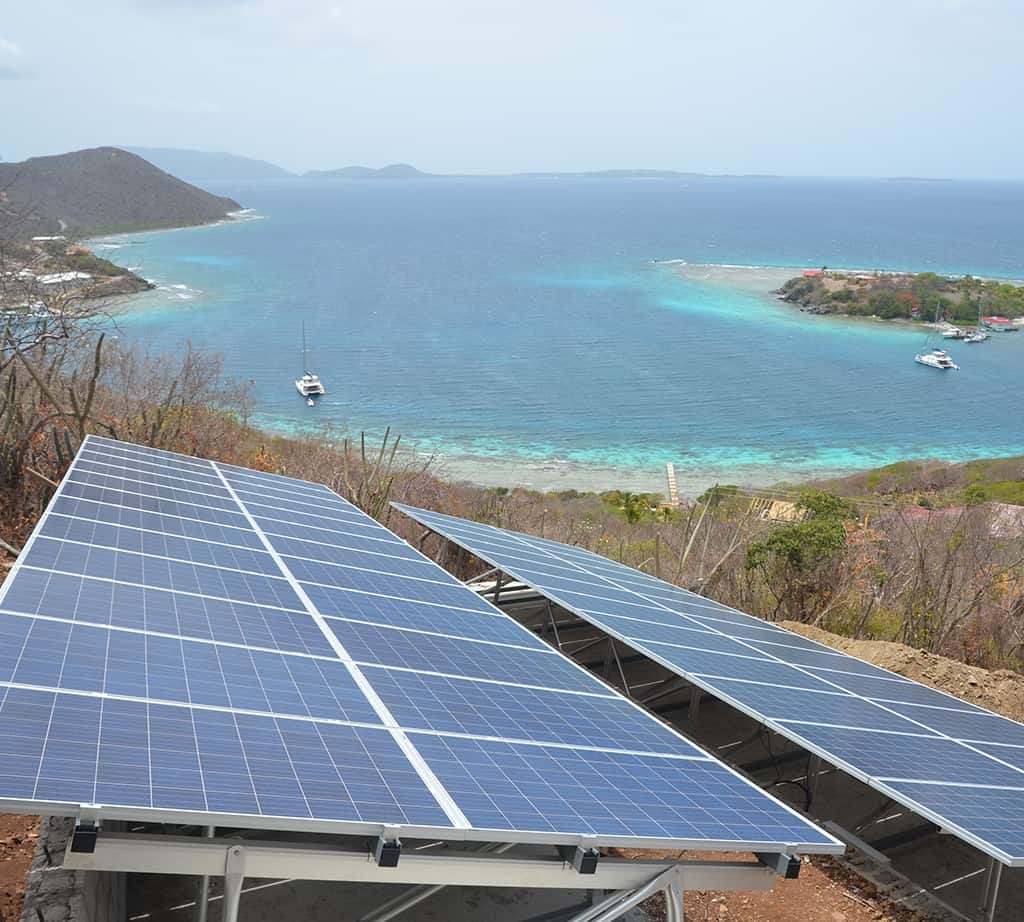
<point>921,296</point>
<point>48,204</point>
<point>407,171</point>
<point>197,166</point>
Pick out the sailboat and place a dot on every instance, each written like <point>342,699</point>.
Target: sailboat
<point>309,385</point>
<point>979,334</point>
<point>935,358</point>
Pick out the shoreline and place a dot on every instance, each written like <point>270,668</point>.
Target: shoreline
<point>768,280</point>
<point>543,473</point>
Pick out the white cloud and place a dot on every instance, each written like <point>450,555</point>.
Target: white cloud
<point>13,64</point>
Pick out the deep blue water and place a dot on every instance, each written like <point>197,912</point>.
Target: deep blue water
<point>526,319</point>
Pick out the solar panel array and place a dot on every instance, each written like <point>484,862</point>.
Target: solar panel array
<point>185,640</point>
<point>957,764</point>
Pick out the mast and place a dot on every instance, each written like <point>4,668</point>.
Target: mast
<point>305,368</point>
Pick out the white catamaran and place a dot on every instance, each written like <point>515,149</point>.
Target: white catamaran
<point>938,358</point>
<point>309,385</point>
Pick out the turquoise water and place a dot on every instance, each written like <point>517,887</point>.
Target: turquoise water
<point>527,320</point>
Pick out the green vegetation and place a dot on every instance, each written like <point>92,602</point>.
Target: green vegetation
<point>83,261</point>
<point>922,296</point>
<point>102,190</point>
<point>798,560</point>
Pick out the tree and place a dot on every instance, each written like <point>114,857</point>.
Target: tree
<point>798,560</point>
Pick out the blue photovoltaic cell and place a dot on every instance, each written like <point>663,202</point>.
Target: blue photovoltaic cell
<point>156,544</point>
<point>993,815</point>
<point>703,663</point>
<point>424,652</point>
<point>1014,755</point>
<point>332,601</point>
<point>790,704</point>
<point>200,640</point>
<point>508,786</point>
<point>436,619</point>
<point>962,724</point>
<point>338,574</point>
<point>154,504</point>
<point>93,659</point>
<point>429,702</point>
<point>74,598</point>
<point>882,689</point>
<point>72,748</point>
<point>161,573</point>
<point>917,758</point>
<point>342,547</point>
<point>807,657</point>
<point>675,634</point>
<point>153,521</point>
<point>780,677</point>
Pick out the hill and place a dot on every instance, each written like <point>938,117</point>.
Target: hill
<point>393,171</point>
<point>204,166</point>
<point>101,190</point>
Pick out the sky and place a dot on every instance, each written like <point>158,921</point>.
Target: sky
<point>797,87</point>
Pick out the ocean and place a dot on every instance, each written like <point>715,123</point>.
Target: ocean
<point>571,333</point>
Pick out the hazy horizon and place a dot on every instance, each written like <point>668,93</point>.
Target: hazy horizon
<point>919,88</point>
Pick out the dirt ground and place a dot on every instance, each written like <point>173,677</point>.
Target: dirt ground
<point>18,836</point>
<point>824,892</point>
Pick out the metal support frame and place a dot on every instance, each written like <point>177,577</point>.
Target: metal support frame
<point>203,896</point>
<point>554,624</point>
<point>663,689</point>
<point>671,882</point>
<point>693,714</point>
<point>192,855</point>
<point>990,891</point>
<point>393,908</point>
<point>813,773</point>
<point>234,875</point>
<point>482,576</point>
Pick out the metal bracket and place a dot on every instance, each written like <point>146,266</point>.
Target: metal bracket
<point>786,866</point>
<point>387,850</point>
<point>83,839</point>
<point>583,858</point>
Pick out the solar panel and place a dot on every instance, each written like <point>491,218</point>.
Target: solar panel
<point>183,640</point>
<point>950,761</point>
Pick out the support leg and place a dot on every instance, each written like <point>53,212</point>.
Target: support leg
<point>203,897</point>
<point>990,892</point>
<point>693,714</point>
<point>674,903</point>
<point>813,772</point>
<point>554,627</point>
<point>234,875</point>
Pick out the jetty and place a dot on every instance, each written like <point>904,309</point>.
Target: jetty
<point>673,487</point>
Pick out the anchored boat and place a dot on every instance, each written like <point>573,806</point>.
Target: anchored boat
<point>936,358</point>
<point>309,385</point>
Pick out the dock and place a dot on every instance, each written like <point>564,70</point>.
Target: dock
<point>673,487</point>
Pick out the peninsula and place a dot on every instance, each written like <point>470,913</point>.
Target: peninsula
<point>47,204</point>
<point>922,296</point>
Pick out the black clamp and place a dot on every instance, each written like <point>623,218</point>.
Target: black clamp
<point>83,839</point>
<point>786,866</point>
<point>584,860</point>
<point>387,851</point>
